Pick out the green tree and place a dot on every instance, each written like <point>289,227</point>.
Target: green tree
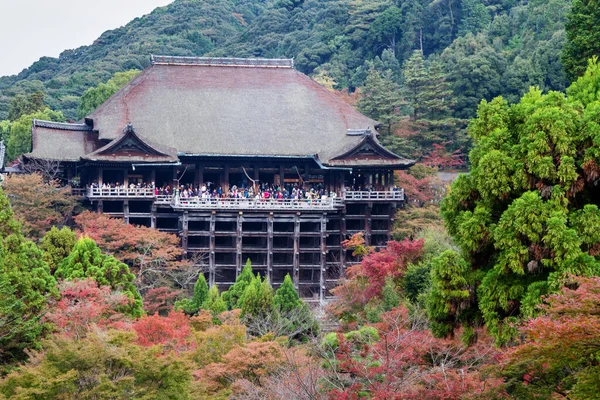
<point>526,216</point>
<point>19,141</point>
<point>257,300</point>
<point>233,295</point>
<point>193,305</point>
<point>286,298</point>
<point>214,303</point>
<point>87,261</point>
<point>475,17</point>
<point>94,97</point>
<point>57,245</point>
<point>449,295</point>
<point>22,105</point>
<point>25,285</point>
<point>380,99</point>
<point>583,37</point>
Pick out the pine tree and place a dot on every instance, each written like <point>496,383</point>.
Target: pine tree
<point>193,305</point>
<point>87,261</point>
<point>286,298</point>
<point>233,295</point>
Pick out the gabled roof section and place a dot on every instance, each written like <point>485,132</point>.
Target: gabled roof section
<point>129,146</point>
<point>369,152</point>
<point>232,107</point>
<point>61,141</point>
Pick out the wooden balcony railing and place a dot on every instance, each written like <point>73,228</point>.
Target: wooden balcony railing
<point>397,195</point>
<point>328,203</point>
<point>120,192</point>
<point>257,204</point>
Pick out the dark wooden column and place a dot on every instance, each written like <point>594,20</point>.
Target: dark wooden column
<point>126,178</point>
<point>296,272</point>
<point>100,173</point>
<point>126,211</point>
<point>368,219</point>
<point>153,217</point>
<point>211,255</point>
<point>281,176</point>
<point>238,244</point>
<point>175,182</point>
<point>270,247</point>
<point>184,230</point>
<point>225,182</point>
<point>323,268</point>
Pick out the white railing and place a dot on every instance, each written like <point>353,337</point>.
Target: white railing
<point>397,195</point>
<point>257,204</point>
<point>120,192</point>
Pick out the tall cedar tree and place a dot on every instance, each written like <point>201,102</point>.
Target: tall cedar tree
<point>583,37</point>
<point>87,261</point>
<point>233,295</point>
<point>286,298</point>
<point>526,216</point>
<point>214,303</point>
<point>257,300</point>
<point>380,99</point>
<point>25,285</point>
<point>193,305</point>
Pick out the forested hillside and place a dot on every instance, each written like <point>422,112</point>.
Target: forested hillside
<point>471,50</point>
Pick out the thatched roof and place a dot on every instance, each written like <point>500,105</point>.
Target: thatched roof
<point>202,106</point>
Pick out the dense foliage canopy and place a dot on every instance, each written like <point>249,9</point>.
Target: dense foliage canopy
<point>527,215</point>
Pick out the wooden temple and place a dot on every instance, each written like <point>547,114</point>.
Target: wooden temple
<point>191,145</point>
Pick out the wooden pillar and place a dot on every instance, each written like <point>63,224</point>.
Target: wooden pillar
<point>126,178</point>
<point>368,229</point>
<point>343,232</point>
<point>201,175</point>
<point>225,181</point>
<point>184,230</point>
<point>306,173</point>
<point>238,245</point>
<point>281,176</point>
<point>270,247</point>
<point>256,175</point>
<point>126,211</point>
<point>153,217</point>
<point>386,180</point>
<point>153,177</point>
<point>393,209</point>
<point>100,173</point>
<point>322,287</point>
<point>211,255</point>
<point>100,207</point>
<point>175,182</point>
<point>196,175</point>
<point>296,272</point>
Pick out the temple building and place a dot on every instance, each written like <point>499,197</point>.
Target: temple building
<point>242,158</point>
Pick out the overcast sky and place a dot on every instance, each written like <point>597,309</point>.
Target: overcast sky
<point>30,29</point>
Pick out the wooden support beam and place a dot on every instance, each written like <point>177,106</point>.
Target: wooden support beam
<point>126,211</point>
<point>126,178</point>
<point>296,272</point>
<point>100,175</point>
<point>211,255</point>
<point>323,269</point>
<point>368,228</point>
<point>184,230</point>
<point>153,218</point>
<point>343,232</point>
<point>238,245</point>
<point>270,247</point>
<point>281,176</point>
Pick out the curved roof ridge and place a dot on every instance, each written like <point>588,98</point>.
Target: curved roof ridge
<point>65,126</point>
<point>223,61</point>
